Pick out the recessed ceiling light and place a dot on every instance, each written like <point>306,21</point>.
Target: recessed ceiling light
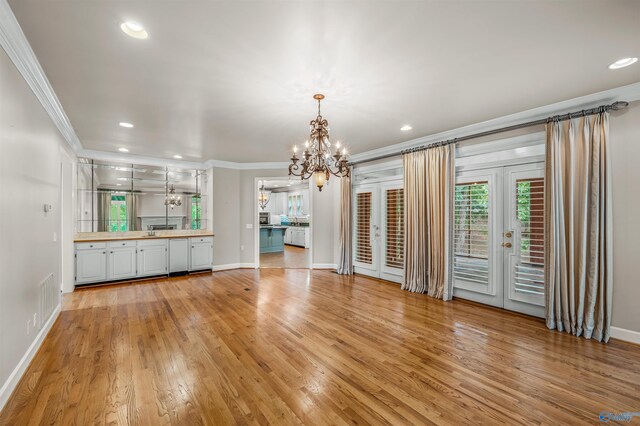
<point>625,62</point>
<point>123,150</point>
<point>177,157</point>
<point>134,29</point>
<point>406,128</point>
<point>127,125</point>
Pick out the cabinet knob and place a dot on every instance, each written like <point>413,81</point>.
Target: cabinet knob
<point>111,252</point>
<point>141,250</point>
<point>104,252</point>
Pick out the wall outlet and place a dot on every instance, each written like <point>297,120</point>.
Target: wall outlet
<point>241,248</point>
<point>28,327</point>
<point>35,320</point>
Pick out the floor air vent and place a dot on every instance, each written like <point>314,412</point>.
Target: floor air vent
<point>48,299</point>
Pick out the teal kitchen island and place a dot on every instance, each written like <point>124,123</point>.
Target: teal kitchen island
<point>272,239</point>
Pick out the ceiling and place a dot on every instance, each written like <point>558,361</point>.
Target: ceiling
<point>233,80</point>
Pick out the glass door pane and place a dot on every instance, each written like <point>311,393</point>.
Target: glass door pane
<point>477,224</point>
<point>392,232</point>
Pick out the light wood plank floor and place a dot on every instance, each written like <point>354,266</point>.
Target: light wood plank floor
<point>292,257</point>
<point>294,346</point>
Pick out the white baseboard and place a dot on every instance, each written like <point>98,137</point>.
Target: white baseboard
<point>626,335</point>
<point>233,266</point>
<point>324,266</point>
<point>15,376</point>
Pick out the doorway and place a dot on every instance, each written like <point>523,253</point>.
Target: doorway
<point>284,225</point>
<point>379,230</point>
<point>499,237</point>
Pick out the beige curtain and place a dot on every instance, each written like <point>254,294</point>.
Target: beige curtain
<point>104,210</point>
<point>132,211</point>
<point>429,183</point>
<point>578,236</point>
<point>345,264</point>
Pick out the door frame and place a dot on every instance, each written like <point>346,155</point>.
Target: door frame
<point>256,219</point>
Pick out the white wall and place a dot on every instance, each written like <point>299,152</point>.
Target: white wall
<point>30,156</point>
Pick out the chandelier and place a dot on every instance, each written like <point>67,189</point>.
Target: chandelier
<point>318,161</point>
<point>263,196</point>
<point>172,200</point>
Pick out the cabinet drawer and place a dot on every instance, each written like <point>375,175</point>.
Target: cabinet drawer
<point>120,244</point>
<point>90,246</point>
<point>202,240</point>
<point>152,243</point>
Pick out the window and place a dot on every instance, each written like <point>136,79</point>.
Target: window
<point>118,214</point>
<point>394,253</point>
<point>529,273</point>
<point>196,212</point>
<point>363,228</point>
<point>471,232</point>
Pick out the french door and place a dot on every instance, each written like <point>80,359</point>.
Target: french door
<point>499,237</point>
<point>379,230</point>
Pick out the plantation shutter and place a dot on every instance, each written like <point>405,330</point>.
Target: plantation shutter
<point>471,232</point>
<point>394,225</point>
<point>363,228</point>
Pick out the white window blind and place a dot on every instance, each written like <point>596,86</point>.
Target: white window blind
<point>363,228</point>
<point>394,225</point>
<point>529,272</point>
<point>471,232</point>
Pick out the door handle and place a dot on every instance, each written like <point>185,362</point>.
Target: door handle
<point>508,234</point>
<point>507,245</point>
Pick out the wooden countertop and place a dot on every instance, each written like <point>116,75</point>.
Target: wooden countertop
<point>95,239</point>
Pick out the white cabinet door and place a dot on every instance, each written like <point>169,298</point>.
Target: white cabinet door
<point>121,263</point>
<point>91,265</point>
<point>152,260</point>
<point>201,250</point>
<point>178,255</point>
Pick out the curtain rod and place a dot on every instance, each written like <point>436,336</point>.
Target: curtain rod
<point>616,106</point>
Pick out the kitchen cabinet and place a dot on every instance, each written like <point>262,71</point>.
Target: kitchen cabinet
<point>91,262</point>
<point>297,236</point>
<point>126,259</point>
<point>201,250</point>
<point>178,255</point>
<point>152,258</point>
<point>121,260</point>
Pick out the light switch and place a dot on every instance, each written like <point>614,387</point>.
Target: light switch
<point>55,236</point>
<point>249,225</point>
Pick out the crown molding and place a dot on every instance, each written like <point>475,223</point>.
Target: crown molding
<point>628,93</point>
<point>14,42</point>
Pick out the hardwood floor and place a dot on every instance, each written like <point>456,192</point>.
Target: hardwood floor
<point>292,257</point>
<point>296,346</point>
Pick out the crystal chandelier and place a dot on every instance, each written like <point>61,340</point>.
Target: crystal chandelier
<point>263,196</point>
<point>172,200</point>
<point>318,161</point>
